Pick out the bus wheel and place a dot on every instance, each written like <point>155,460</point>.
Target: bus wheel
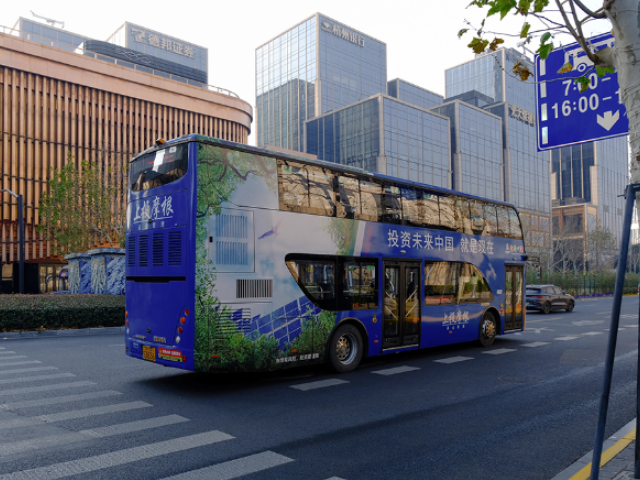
<point>345,349</point>
<point>488,330</point>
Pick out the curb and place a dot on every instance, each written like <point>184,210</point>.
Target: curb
<point>581,469</point>
<point>79,332</point>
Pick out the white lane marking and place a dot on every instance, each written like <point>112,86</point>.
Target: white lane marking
<point>566,338</point>
<point>7,352</point>
<point>534,344</point>
<point>120,457</point>
<point>631,326</point>
<point>58,400</point>
<point>35,378</point>
<point>499,351</point>
<point>453,359</point>
<point>89,412</point>
<point>17,357</point>
<point>45,388</point>
<point>320,384</point>
<point>584,323</point>
<point>539,330</point>
<point>593,333</point>
<point>13,364</point>
<point>235,468</point>
<point>136,426</point>
<point>65,439</point>
<point>335,478</point>
<point>27,370</point>
<point>393,371</point>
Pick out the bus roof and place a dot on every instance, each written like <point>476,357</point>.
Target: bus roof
<point>288,156</point>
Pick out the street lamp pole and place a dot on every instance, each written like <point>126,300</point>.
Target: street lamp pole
<point>20,237</point>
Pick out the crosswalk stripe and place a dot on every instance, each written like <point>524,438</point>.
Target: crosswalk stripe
<point>453,359</point>
<point>534,344</point>
<point>58,400</point>
<point>13,447</point>
<point>320,384</point>
<point>44,388</point>
<point>335,478</point>
<point>36,378</point>
<point>566,338</point>
<point>593,333</point>
<point>393,371</point>
<point>136,426</point>
<point>16,357</point>
<point>89,412</point>
<point>120,457</point>
<point>7,352</point>
<point>27,370</point>
<point>500,351</point>
<point>235,468</point>
<point>13,364</point>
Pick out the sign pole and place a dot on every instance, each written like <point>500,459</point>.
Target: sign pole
<point>20,237</point>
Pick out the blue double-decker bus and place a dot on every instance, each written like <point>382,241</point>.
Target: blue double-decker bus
<point>245,259</point>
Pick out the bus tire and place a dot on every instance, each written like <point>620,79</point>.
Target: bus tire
<point>345,349</point>
<point>488,329</point>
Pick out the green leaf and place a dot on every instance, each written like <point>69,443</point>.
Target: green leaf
<point>602,71</point>
<point>544,38</point>
<point>539,5</point>
<point>545,50</point>
<point>478,45</point>
<point>524,6</point>
<point>566,68</point>
<point>583,82</point>
<point>524,33</point>
<point>502,7</point>
<point>462,32</point>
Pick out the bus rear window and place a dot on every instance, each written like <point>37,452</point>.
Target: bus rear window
<point>158,168</point>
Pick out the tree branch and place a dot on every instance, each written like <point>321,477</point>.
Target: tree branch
<point>597,14</point>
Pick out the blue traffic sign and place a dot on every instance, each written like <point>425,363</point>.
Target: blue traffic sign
<point>566,116</point>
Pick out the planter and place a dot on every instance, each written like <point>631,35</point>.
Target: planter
<point>79,272</point>
<point>107,270</point>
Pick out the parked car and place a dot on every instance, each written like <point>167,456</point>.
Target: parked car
<point>547,298</point>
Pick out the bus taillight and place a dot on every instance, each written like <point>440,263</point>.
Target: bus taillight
<point>182,320</point>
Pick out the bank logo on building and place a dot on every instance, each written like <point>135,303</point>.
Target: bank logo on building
<point>342,32</point>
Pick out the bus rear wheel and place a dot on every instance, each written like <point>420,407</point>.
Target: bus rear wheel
<point>488,330</point>
<point>345,349</point>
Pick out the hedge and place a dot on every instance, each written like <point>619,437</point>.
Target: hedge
<point>56,312</point>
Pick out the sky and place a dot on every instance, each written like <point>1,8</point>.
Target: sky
<point>421,36</point>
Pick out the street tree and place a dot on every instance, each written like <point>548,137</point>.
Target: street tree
<point>82,208</point>
<point>544,20</point>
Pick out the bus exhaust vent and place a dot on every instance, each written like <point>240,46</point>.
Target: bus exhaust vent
<point>232,253</point>
<point>175,248</point>
<point>143,251</point>
<point>254,288</point>
<point>131,251</point>
<point>232,226</point>
<point>232,322</point>
<point>158,249</point>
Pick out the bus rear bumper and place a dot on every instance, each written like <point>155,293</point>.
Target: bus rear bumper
<point>169,356</point>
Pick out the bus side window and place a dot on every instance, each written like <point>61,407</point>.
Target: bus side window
<point>473,286</point>
<point>349,197</point>
<point>452,283</point>
<point>359,285</point>
<point>392,206</point>
<point>515,230</point>
<point>461,210</point>
<point>293,186</point>
<point>490,220</point>
<point>430,214</point>
<point>321,195</point>
<point>411,207</point>
<point>317,280</point>
<point>477,217</point>
<point>503,221</point>
<point>449,214</point>
<point>371,201</point>
<point>435,279</point>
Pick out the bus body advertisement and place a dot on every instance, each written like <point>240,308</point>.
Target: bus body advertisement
<point>244,259</point>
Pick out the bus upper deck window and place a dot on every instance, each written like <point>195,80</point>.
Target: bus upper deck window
<point>515,230</point>
<point>477,216</point>
<point>503,221</point>
<point>348,203</point>
<point>430,214</point>
<point>490,220</point>
<point>411,206</point>
<point>321,196</point>
<point>294,187</point>
<point>450,214</point>
<point>158,168</point>
<point>392,205</point>
<point>371,201</point>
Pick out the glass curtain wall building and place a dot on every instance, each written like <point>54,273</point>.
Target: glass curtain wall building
<point>48,35</point>
<point>317,66</point>
<point>476,149</point>
<point>409,93</point>
<point>384,135</point>
<point>525,171</point>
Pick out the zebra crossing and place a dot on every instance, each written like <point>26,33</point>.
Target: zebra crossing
<point>37,428</point>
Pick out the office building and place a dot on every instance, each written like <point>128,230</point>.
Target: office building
<point>54,102</point>
<point>413,94</point>
<point>317,66</point>
<point>384,135</point>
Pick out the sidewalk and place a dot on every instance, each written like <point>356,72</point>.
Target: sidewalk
<point>618,458</point>
<point>72,332</point>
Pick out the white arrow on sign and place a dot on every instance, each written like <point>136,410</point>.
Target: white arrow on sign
<point>608,120</point>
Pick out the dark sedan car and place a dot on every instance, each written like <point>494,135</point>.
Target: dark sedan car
<point>547,298</point>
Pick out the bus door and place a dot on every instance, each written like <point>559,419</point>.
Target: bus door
<point>513,297</point>
<point>401,304</point>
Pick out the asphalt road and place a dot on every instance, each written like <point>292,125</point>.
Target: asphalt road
<point>525,408</point>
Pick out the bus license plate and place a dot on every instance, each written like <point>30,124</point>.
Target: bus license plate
<point>149,353</point>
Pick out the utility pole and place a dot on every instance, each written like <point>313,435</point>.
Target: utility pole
<point>20,238</point>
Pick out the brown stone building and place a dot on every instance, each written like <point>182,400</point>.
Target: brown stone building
<point>55,102</point>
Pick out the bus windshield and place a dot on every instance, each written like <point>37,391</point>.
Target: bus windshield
<point>158,168</point>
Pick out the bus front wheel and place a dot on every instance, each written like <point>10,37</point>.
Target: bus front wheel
<point>488,329</point>
<point>345,349</point>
